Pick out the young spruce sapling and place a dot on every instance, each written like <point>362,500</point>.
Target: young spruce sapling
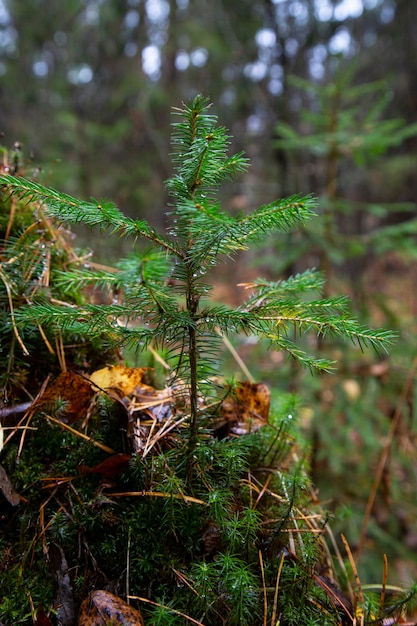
<point>166,293</point>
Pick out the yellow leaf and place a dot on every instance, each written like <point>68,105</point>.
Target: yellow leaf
<point>119,377</point>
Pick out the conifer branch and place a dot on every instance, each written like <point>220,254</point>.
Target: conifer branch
<point>77,279</point>
<point>103,214</point>
<point>309,281</point>
<point>226,235</point>
<point>88,320</point>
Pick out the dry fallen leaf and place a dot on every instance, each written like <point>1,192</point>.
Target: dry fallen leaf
<point>41,618</point>
<point>102,608</point>
<point>109,467</point>
<point>73,391</point>
<point>142,402</point>
<point>64,595</point>
<point>6,488</point>
<point>121,378</point>
<point>246,408</point>
<point>137,396</point>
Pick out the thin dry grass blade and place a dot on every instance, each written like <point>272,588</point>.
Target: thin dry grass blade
<point>274,608</point>
<point>340,560</point>
<point>261,563</point>
<point>51,482</point>
<point>294,521</point>
<point>156,494</point>
<point>384,583</point>
<point>12,317</point>
<point>166,428</point>
<point>102,446</point>
<point>168,608</point>
<point>59,343</point>
<point>236,356</point>
<point>354,570</point>
<point>185,581</point>
<point>129,536</point>
<point>27,417</point>
<point>46,340</point>
<point>335,599</point>
<point>263,490</point>
<point>158,358</point>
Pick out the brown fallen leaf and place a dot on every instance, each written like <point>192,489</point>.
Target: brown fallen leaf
<point>109,467</point>
<point>41,618</point>
<point>102,608</point>
<point>7,489</point>
<point>74,391</point>
<point>246,408</point>
<point>64,594</point>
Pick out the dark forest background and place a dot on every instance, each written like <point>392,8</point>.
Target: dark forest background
<point>92,83</point>
<point>322,97</point>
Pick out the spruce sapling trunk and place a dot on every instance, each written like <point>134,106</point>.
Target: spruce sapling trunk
<point>192,307</point>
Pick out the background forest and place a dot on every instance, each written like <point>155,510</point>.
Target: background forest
<point>322,97</point>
